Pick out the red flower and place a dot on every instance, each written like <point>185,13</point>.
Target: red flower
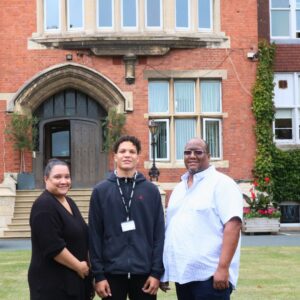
<point>246,210</point>
<point>253,196</point>
<point>255,183</point>
<point>267,179</point>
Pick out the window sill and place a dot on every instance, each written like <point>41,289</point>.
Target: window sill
<point>286,147</point>
<point>122,43</point>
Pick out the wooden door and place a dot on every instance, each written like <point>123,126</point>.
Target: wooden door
<point>87,160</point>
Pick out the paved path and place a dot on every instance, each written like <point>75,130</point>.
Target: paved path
<point>281,239</point>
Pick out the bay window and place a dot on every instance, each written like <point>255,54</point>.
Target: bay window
<point>185,108</point>
<point>75,14</point>
<point>205,15</point>
<point>52,15</point>
<point>182,15</point>
<point>129,14</point>
<point>153,13</point>
<point>105,14</point>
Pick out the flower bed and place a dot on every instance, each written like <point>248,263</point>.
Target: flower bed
<point>261,215</point>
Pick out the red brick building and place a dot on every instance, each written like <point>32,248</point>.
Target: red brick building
<point>279,23</point>
<point>185,63</point>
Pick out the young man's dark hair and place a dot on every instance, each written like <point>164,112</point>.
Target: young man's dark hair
<point>127,138</point>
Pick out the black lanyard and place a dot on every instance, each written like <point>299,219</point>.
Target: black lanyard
<point>127,207</point>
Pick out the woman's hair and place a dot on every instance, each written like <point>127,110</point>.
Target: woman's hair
<point>127,138</point>
<point>52,163</point>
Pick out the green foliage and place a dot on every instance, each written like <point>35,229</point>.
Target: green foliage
<point>286,175</point>
<point>260,203</point>
<point>113,128</point>
<point>264,111</point>
<point>22,131</point>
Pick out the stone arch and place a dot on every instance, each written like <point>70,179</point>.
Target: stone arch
<point>68,75</point>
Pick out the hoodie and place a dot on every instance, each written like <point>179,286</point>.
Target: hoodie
<point>137,252</point>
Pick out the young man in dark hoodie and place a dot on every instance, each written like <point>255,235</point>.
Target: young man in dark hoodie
<point>126,225</point>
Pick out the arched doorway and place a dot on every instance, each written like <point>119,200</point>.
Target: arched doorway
<point>70,128</point>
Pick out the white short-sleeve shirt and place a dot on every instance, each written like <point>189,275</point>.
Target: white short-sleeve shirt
<point>195,224</point>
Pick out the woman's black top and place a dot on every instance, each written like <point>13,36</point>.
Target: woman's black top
<point>52,229</point>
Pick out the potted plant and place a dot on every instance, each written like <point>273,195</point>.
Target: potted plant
<point>22,132</point>
<point>113,128</point>
<point>261,214</point>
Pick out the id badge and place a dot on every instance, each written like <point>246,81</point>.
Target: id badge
<point>128,226</point>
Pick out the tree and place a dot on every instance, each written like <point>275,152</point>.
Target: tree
<point>22,131</point>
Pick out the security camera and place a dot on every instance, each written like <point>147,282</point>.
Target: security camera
<point>252,55</point>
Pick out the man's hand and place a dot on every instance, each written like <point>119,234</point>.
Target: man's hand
<point>221,279</point>
<point>102,289</point>
<point>151,286</point>
<point>164,286</point>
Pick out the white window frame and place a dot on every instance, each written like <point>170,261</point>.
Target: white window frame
<point>199,116</point>
<point>167,121</point>
<point>106,28</point>
<point>220,100</point>
<point>194,100</point>
<point>189,17</point>
<point>130,28</point>
<point>168,111</point>
<point>294,106</point>
<point>204,29</point>
<point>68,17</point>
<point>59,19</point>
<point>204,120</point>
<point>160,16</point>
<point>292,17</point>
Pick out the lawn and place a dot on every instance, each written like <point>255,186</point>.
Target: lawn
<point>267,273</point>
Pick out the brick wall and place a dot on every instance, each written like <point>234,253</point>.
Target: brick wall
<point>238,21</point>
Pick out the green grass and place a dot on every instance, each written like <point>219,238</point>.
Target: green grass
<point>266,273</point>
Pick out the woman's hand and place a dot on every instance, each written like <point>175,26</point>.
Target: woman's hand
<point>83,269</point>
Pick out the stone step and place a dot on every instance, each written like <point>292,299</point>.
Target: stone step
<point>28,203</point>
<point>36,193</point>
<point>19,227</point>
<point>14,234</point>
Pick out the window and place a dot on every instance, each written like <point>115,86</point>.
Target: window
<point>204,15</point>
<point>285,18</point>
<point>184,96</point>
<point>158,96</point>
<point>287,103</point>
<point>212,135</point>
<point>105,14</point>
<point>75,14</point>
<point>71,16</point>
<point>182,9</point>
<point>52,15</point>
<point>129,14</point>
<point>153,13</point>
<point>162,141</point>
<point>283,124</point>
<point>185,108</point>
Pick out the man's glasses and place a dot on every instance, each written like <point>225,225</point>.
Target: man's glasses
<point>196,152</point>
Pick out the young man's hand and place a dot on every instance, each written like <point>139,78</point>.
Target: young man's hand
<point>151,286</point>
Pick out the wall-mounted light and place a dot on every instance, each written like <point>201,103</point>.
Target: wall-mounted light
<point>130,61</point>
<point>69,56</point>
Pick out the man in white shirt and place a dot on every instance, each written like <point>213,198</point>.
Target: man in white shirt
<point>204,217</point>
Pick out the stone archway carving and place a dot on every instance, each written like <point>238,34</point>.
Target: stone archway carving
<point>68,75</point>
